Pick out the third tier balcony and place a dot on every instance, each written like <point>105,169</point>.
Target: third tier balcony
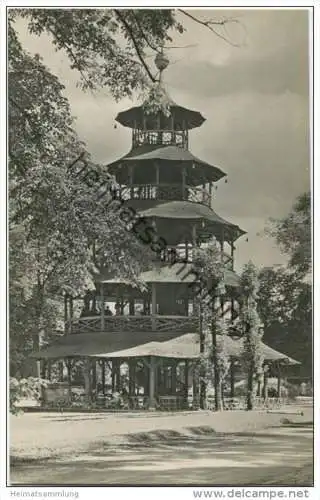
<point>165,192</point>
<point>126,323</point>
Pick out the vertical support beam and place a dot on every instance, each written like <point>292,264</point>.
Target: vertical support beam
<point>94,375</point>
<point>195,383</point>
<point>153,305</point>
<point>152,380</point>
<point>49,369</point>
<point>103,376</point>
<point>131,180</point>
<point>265,382</point>
<point>232,374</point>
<point>222,244</point>
<point>113,375</point>
<point>232,253</point>
<point>194,235</point>
<point>131,307</point>
<point>186,382</point>
<point>66,324</point>
<point>174,378</point>
<point>116,375</point>
<point>102,306</point>
<point>71,312</point>
<point>210,193</point>
<point>183,172</point>
<point>279,380</point>
<point>69,378</point>
<point>87,380</point>
<point>60,371</point>
<point>132,377</point>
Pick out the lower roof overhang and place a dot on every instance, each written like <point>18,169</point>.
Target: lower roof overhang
<point>124,346</point>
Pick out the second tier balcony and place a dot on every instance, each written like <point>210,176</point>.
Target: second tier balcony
<point>126,323</point>
<point>165,192</point>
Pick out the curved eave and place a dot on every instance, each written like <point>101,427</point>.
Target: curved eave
<point>168,154</point>
<point>133,117</point>
<point>176,273</point>
<point>160,344</point>
<point>186,210</point>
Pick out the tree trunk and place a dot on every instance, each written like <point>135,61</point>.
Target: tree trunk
<point>203,384</point>
<point>217,378</point>
<point>250,391</point>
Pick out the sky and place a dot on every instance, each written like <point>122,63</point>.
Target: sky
<point>255,100</point>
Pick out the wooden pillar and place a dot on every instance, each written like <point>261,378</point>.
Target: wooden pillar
<point>157,174</point>
<point>60,371</point>
<point>132,377</point>
<point>87,380</point>
<point>117,375</point>
<point>69,378</point>
<point>94,374</point>
<point>131,180</point>
<point>102,307</point>
<point>278,379</point>
<point>222,244</point>
<point>113,376</point>
<point>194,235</point>
<point>232,374</point>
<point>265,382</point>
<point>152,373</point>
<point>66,324</point>
<point>186,382</point>
<point>183,172</point>
<point>195,383</point>
<point>210,193</point>
<point>174,378</point>
<point>153,305</point>
<point>103,376</point>
<point>131,307</point>
<point>232,252</point>
<point>49,369</point>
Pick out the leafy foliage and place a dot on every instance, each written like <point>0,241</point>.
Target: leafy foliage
<point>54,215</point>
<point>252,328</point>
<point>285,307</point>
<point>30,387</point>
<point>108,47</point>
<point>293,235</point>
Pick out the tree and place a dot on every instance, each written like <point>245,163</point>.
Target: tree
<point>285,307</point>
<point>252,329</point>
<point>293,235</point>
<point>210,269</point>
<point>54,216</point>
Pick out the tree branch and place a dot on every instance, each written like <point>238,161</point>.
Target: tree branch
<point>210,23</point>
<point>134,41</point>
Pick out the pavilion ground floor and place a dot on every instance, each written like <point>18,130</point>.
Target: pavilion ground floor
<point>143,371</point>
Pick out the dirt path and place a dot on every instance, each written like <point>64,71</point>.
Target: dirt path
<point>277,456</point>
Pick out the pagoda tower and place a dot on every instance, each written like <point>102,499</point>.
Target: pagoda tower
<point>155,332</point>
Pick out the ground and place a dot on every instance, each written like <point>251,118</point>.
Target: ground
<point>229,448</point>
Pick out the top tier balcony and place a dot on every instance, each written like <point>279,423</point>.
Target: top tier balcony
<point>160,138</point>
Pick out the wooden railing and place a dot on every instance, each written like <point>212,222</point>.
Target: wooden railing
<point>183,324</point>
<point>165,192</point>
<point>160,137</point>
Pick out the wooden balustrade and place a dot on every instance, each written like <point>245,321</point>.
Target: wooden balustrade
<point>183,324</point>
<point>165,192</point>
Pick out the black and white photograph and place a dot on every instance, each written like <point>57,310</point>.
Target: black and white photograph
<point>159,248</point>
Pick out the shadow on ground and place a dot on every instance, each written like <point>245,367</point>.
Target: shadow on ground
<point>201,457</point>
